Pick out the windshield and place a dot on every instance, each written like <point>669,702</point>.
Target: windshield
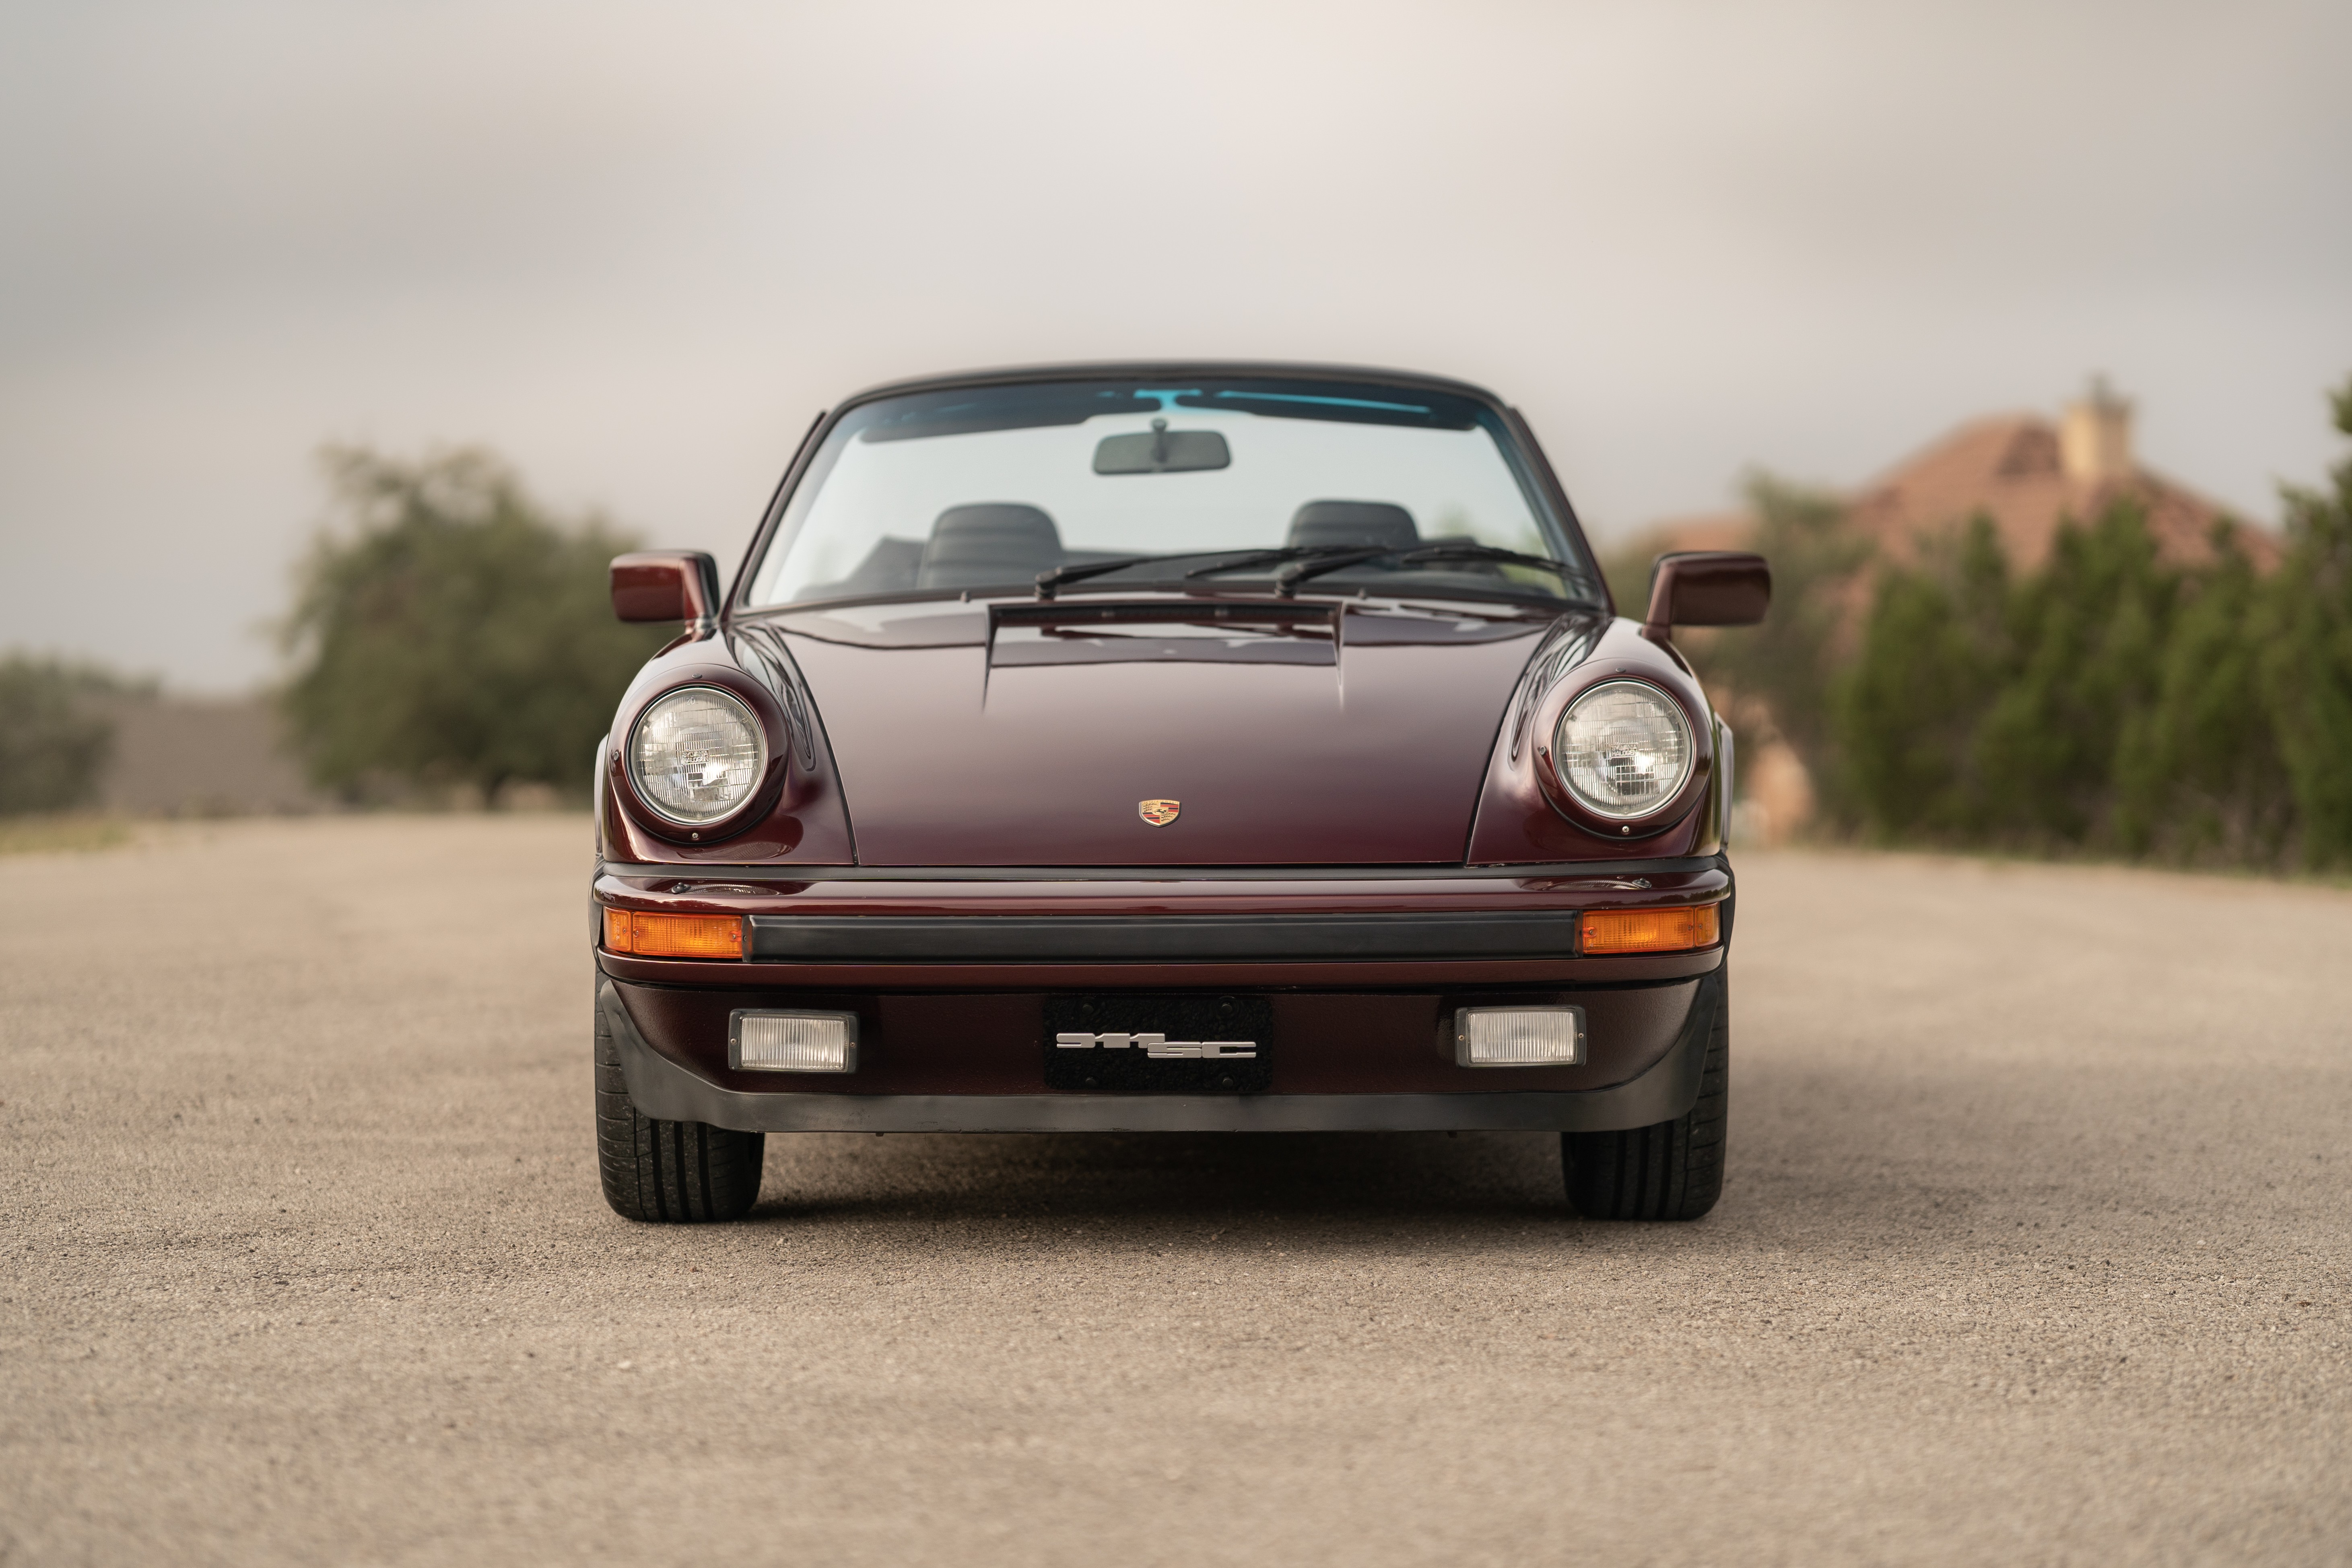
<point>1336,488</point>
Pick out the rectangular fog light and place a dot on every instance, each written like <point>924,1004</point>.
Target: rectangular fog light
<point>1518,1036</point>
<point>793,1042</point>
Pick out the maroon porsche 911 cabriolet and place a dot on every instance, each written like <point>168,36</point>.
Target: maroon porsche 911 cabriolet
<point>1166,746</point>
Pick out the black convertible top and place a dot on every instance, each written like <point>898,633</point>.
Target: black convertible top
<point>1147,369</point>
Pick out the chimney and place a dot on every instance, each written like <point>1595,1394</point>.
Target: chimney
<point>2094,439</point>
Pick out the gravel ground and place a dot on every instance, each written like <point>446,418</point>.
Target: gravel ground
<point>2034,1249</point>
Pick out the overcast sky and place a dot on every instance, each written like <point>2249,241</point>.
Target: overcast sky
<point>636,247</point>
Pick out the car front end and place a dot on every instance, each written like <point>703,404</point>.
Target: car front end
<point>1350,828</point>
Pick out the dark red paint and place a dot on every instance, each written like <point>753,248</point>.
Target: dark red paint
<point>665,585</point>
<point>1707,589</point>
<point>949,758</point>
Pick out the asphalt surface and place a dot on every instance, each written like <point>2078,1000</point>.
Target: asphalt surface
<point>2034,1249</point>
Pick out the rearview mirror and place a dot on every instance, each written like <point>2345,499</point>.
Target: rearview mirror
<point>665,585</point>
<point>1164,451</point>
<point>1707,589</point>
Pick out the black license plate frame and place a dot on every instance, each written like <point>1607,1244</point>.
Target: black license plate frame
<point>1155,1028</point>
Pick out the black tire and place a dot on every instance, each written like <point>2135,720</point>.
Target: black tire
<point>1673,1170</point>
<point>671,1173</point>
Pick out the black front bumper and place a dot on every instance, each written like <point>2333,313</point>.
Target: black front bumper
<point>667,1089</point>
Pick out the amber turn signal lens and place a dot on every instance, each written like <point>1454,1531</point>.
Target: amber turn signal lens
<point>650,935</point>
<point>1648,931</point>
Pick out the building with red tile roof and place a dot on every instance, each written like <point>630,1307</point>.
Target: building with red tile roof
<point>2025,472</point>
<point>2029,475</point>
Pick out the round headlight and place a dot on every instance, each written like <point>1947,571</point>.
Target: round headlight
<point>1623,747</point>
<point>698,754</point>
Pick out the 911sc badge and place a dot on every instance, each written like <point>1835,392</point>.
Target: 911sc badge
<point>1159,1046</point>
<point>1158,812</point>
<point>1135,1043</point>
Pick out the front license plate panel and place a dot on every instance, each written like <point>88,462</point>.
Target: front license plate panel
<point>1160,1045</point>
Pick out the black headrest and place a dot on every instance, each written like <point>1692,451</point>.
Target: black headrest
<point>990,543</point>
<point>1371,522</point>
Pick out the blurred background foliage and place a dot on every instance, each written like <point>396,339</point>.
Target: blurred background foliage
<point>55,738</point>
<point>449,630</point>
<point>2108,701</point>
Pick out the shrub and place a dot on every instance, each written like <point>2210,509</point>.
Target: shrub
<point>2085,636</point>
<point>1907,712</point>
<point>53,746</point>
<point>2198,777</point>
<point>2305,656</point>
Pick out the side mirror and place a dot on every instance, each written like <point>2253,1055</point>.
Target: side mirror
<point>666,585</point>
<point>1707,589</point>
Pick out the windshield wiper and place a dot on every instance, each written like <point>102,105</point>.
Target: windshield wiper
<point>1079,571</point>
<point>1283,553</point>
<point>1302,562</point>
<point>1287,581</point>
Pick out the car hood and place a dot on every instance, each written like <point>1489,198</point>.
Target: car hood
<point>1038,734</point>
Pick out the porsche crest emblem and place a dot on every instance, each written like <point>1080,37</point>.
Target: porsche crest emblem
<point>1158,812</point>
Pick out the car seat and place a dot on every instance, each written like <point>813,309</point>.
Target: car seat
<point>988,544</point>
<point>1374,524</point>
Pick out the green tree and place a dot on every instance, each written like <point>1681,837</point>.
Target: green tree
<point>452,630</point>
<point>53,746</point>
<point>2088,632</point>
<point>2307,658</point>
<point>2198,774</point>
<point>1907,712</point>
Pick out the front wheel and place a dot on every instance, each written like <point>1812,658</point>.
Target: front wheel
<point>672,1172</point>
<point>1670,1171</point>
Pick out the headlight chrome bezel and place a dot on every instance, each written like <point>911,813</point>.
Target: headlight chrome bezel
<point>1697,730</point>
<point>766,723</point>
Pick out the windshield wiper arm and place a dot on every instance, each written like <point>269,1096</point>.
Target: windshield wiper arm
<point>1079,571</point>
<point>1270,557</point>
<point>1309,561</point>
<point>1287,581</point>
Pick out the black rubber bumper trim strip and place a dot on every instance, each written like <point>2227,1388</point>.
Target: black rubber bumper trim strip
<point>663,1089</point>
<point>1599,870</point>
<point>1087,938</point>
